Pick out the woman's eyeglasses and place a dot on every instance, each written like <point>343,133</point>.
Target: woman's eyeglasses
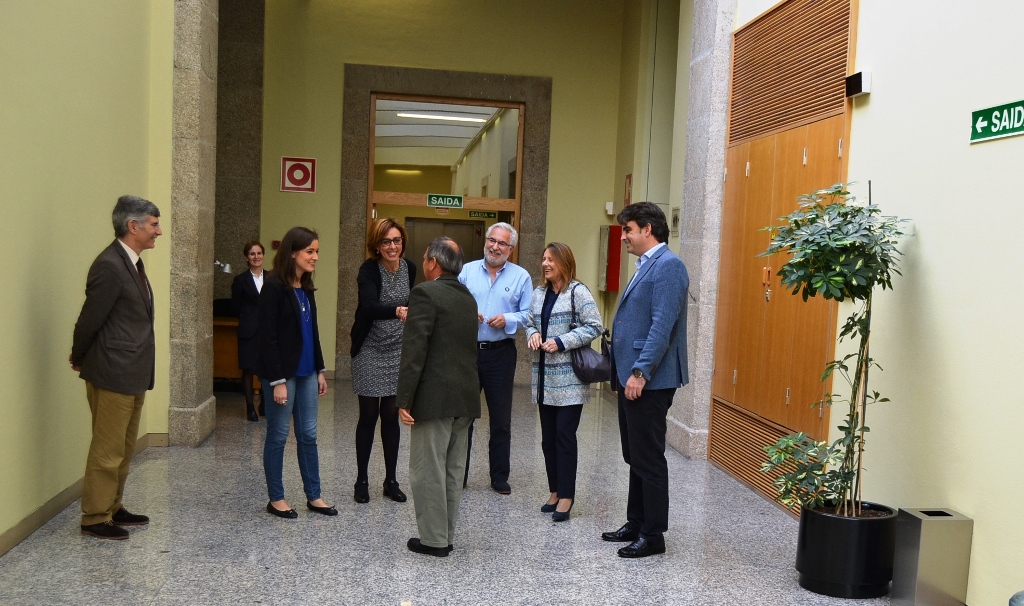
<point>390,241</point>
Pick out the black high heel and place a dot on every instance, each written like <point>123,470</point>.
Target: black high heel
<point>561,516</point>
<point>362,492</point>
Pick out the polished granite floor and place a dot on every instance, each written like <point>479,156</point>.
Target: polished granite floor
<point>211,542</point>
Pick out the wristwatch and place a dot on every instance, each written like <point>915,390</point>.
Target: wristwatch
<point>639,374</point>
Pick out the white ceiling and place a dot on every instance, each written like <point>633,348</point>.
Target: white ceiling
<point>422,141</point>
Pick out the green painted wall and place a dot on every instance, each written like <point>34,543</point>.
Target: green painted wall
<point>85,116</point>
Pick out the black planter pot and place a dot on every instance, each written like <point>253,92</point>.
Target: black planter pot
<point>846,557</point>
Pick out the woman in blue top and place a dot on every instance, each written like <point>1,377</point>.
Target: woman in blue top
<point>552,331</point>
<point>291,369</point>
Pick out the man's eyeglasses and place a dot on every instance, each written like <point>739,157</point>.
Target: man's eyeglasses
<point>500,243</point>
<point>390,241</point>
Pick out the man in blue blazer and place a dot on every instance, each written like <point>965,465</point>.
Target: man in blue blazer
<point>648,365</point>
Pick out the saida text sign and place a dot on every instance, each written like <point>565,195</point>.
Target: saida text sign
<point>997,122</point>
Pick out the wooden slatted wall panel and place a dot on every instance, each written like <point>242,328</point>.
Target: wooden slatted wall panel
<point>789,67</point>
<point>736,442</point>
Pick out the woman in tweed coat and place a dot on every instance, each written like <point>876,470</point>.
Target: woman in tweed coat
<point>560,396</point>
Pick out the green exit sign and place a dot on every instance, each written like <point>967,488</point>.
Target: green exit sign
<point>444,201</point>
<point>482,214</point>
<point>997,122</point>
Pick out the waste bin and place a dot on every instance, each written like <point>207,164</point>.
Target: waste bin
<point>933,558</point>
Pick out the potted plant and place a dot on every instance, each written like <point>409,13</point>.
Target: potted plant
<point>840,250</point>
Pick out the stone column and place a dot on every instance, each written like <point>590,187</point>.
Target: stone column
<point>192,202</point>
<point>706,123</point>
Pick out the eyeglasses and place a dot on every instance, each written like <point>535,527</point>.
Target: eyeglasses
<point>389,242</point>
<point>500,243</point>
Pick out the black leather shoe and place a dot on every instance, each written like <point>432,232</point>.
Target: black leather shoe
<point>440,552</point>
<point>393,492</point>
<point>362,492</point>
<point>643,547</point>
<point>250,413</point>
<point>327,511</point>
<point>123,517</point>
<point>105,530</point>
<point>626,534</point>
<point>501,487</point>
<point>289,514</point>
<point>561,516</point>
<point>548,507</point>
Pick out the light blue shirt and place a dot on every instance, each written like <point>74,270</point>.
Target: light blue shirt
<point>644,258</point>
<point>508,295</point>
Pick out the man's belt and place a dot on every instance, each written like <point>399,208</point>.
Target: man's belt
<point>493,344</point>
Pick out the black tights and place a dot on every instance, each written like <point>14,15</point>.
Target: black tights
<point>247,389</point>
<point>369,409</point>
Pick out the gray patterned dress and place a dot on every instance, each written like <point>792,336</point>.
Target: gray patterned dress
<point>375,367</point>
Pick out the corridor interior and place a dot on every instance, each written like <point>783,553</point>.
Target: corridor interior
<point>211,542</point>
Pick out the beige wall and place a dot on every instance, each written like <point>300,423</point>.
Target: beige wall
<point>85,112</point>
<point>309,41</point>
<point>946,335</point>
<point>487,159</point>
<point>412,179</point>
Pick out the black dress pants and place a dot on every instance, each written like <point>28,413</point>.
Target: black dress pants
<point>642,431</point>
<point>558,425</point>
<point>496,368</point>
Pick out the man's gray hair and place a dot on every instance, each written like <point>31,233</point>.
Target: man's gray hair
<point>513,235</point>
<point>447,253</point>
<point>132,208</point>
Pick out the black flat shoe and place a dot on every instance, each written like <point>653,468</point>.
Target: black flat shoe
<point>327,511</point>
<point>561,516</point>
<point>105,530</point>
<point>548,507</point>
<point>123,517</point>
<point>250,414</point>
<point>393,492</point>
<point>414,545</point>
<point>289,514</point>
<point>501,487</point>
<point>643,547</point>
<point>362,492</point>
<point>626,534</point>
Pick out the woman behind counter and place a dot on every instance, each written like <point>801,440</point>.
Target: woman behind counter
<point>245,294</point>
<point>384,282</point>
<point>560,396</point>
<point>291,369</point>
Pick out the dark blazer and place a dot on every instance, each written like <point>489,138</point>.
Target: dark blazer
<point>650,325</point>
<point>369,308</point>
<point>280,331</point>
<point>437,377</point>
<point>245,297</point>
<point>113,340</point>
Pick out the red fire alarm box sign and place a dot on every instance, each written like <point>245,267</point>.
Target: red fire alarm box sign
<point>298,174</point>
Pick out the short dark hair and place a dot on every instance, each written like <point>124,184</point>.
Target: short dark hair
<point>644,214</point>
<point>248,246</point>
<point>131,208</point>
<point>378,231</point>
<point>447,253</point>
<point>297,238</point>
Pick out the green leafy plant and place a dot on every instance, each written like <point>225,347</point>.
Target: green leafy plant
<point>840,250</point>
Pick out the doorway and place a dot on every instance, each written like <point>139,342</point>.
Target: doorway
<point>469,235</point>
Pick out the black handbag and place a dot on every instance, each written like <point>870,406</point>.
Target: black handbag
<point>589,366</point>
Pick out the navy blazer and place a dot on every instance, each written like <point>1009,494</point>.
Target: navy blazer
<point>650,324</point>
<point>280,328</point>
<point>245,298</point>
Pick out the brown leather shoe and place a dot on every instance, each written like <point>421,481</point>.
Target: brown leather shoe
<point>105,530</point>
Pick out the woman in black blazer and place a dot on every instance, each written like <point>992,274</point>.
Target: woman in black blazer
<point>384,282</point>
<point>291,369</point>
<point>245,294</point>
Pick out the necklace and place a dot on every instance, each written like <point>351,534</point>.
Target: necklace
<point>392,275</point>
<point>303,304</point>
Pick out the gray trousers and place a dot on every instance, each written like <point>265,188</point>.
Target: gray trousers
<point>437,465</point>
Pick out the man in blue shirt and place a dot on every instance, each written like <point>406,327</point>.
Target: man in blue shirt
<point>502,291</point>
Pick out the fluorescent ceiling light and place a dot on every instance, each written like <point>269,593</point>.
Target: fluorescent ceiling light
<point>436,117</point>
<point>401,171</point>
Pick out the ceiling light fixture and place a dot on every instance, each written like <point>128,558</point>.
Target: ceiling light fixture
<point>436,117</point>
<point>403,171</point>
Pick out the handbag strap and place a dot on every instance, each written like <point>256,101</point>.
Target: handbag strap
<point>573,317</point>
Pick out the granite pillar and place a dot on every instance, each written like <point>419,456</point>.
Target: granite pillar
<point>191,415</point>
<point>703,180</point>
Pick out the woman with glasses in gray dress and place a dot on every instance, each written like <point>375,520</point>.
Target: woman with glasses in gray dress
<point>384,282</point>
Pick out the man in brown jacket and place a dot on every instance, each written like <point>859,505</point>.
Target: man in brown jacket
<point>438,393</point>
<point>114,352</point>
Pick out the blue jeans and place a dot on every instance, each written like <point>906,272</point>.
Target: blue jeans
<point>302,405</point>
